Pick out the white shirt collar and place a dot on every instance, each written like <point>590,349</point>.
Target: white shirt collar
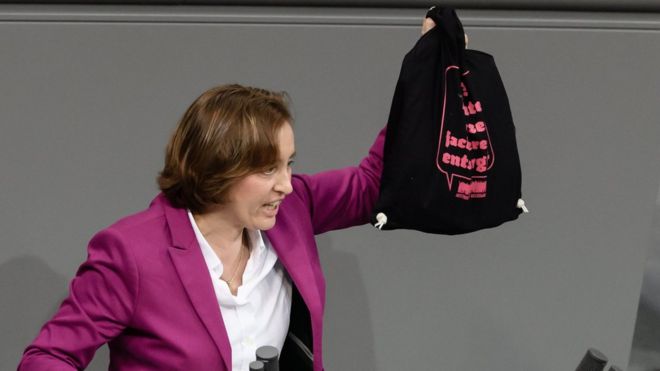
<point>259,313</point>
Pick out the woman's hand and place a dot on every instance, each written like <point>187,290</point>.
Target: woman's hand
<point>427,24</point>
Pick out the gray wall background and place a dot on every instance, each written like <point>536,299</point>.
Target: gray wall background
<point>89,96</point>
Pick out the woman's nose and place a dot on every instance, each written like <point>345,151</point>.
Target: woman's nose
<point>283,184</point>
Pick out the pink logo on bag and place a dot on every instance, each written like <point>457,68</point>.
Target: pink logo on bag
<point>467,152</point>
<point>475,189</point>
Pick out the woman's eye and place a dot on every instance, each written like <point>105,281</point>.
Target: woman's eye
<point>270,171</point>
<point>291,162</point>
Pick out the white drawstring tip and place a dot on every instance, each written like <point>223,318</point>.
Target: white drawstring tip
<point>521,205</point>
<point>382,220</point>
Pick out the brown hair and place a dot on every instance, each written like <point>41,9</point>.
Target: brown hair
<point>227,133</point>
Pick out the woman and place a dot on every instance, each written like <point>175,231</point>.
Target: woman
<point>223,260</point>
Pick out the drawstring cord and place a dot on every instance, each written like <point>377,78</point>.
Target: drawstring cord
<point>382,220</point>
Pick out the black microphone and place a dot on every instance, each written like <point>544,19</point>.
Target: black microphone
<point>592,361</point>
<point>269,356</point>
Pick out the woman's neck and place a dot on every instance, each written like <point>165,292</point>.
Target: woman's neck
<point>223,236</point>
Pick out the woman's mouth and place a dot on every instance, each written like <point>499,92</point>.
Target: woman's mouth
<point>272,206</point>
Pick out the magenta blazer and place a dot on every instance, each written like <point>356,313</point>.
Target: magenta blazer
<point>145,288</point>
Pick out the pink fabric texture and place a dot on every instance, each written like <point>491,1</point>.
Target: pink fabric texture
<point>146,291</point>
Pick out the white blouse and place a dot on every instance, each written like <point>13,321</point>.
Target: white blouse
<point>259,313</point>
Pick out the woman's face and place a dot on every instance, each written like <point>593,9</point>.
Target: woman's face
<point>254,200</point>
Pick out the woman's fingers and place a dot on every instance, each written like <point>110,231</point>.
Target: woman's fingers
<point>427,24</point>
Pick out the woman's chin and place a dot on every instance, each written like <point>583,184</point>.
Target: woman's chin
<point>266,223</point>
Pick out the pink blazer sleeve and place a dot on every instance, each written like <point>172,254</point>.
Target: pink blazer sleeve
<point>98,308</point>
<point>345,197</point>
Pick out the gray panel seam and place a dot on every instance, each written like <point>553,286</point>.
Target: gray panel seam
<point>547,5</point>
<point>358,17</point>
<point>467,25</point>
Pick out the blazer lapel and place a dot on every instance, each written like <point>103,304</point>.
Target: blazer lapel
<point>290,243</point>
<point>194,275</point>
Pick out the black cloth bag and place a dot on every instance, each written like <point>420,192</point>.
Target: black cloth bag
<point>451,163</point>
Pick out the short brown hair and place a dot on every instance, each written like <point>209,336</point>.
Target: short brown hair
<point>227,133</point>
